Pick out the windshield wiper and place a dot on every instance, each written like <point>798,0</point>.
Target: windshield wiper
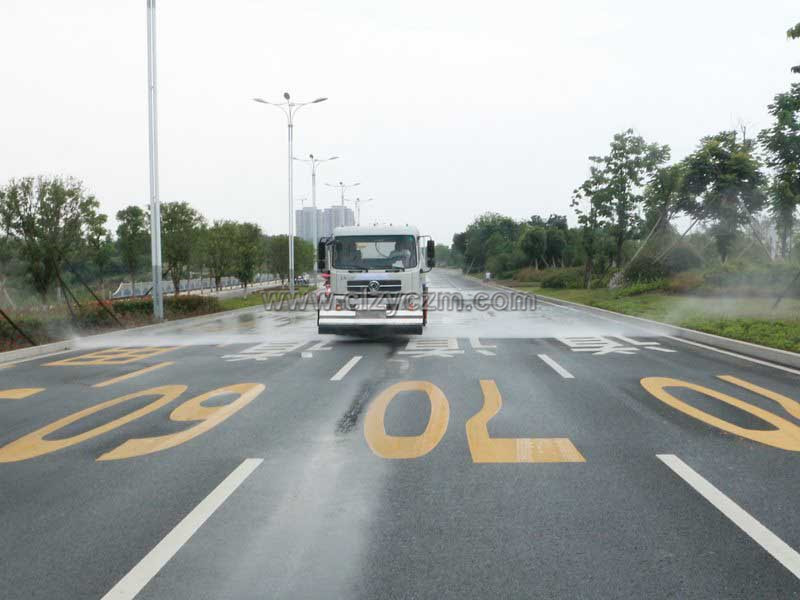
<point>394,269</point>
<point>352,268</point>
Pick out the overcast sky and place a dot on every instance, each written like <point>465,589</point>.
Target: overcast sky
<point>441,109</point>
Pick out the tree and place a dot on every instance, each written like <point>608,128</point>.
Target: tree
<point>132,239</point>
<point>592,193</point>
<point>624,169</point>
<point>48,218</point>
<point>99,245</point>
<point>533,244</point>
<point>442,255</point>
<point>219,248</point>
<point>249,252</point>
<point>664,197</point>
<point>278,255</point>
<point>781,144</point>
<point>793,34</point>
<point>556,245</point>
<point>724,185</point>
<point>180,230</point>
<point>488,234</point>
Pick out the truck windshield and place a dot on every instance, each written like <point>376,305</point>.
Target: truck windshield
<point>375,252</point>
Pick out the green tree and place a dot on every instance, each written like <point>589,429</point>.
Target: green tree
<point>664,197</point>
<point>533,244</point>
<point>488,234</point>
<point>724,184</point>
<point>781,144</point>
<point>278,256</point>
<point>586,200</point>
<point>132,240</point>
<point>99,245</point>
<point>180,235</point>
<point>249,252</point>
<point>48,218</point>
<point>556,245</point>
<point>442,255</point>
<point>219,249</point>
<point>624,170</point>
<point>793,34</point>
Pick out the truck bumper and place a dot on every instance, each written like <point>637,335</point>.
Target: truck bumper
<point>355,322</point>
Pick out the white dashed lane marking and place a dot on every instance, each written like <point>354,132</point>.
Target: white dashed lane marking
<point>780,550</point>
<point>346,368</point>
<point>556,367</point>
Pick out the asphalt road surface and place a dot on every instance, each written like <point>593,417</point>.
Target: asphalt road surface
<point>544,453</point>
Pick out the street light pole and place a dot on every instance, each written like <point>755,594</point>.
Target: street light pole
<point>152,135</point>
<point>315,162</point>
<point>359,202</point>
<point>342,187</point>
<point>289,108</point>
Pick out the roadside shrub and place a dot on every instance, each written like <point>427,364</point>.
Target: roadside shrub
<point>643,287</point>
<point>644,269</point>
<point>190,305</point>
<point>683,283</point>
<point>682,258</point>
<point>564,279</point>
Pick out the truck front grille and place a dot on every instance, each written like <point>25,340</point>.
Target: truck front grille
<point>385,286</point>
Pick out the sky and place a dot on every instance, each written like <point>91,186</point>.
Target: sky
<point>441,109</point>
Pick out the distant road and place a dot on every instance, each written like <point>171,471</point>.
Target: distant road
<point>546,453</point>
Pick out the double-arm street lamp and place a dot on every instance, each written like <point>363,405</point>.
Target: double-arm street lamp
<point>342,187</point>
<point>314,162</point>
<point>358,203</point>
<point>289,108</point>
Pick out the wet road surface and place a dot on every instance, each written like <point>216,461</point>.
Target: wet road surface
<point>544,453</point>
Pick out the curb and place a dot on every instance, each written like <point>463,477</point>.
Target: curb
<point>773,355</point>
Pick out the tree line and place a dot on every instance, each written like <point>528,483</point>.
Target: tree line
<point>634,192</point>
<point>52,231</point>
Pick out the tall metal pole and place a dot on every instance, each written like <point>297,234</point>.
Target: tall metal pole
<point>291,205</point>
<point>155,204</point>
<point>314,204</point>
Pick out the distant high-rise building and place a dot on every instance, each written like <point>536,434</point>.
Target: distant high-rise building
<point>327,220</point>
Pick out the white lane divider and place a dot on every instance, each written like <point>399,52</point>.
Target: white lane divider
<point>346,368</point>
<point>556,367</point>
<point>154,561</point>
<point>780,550</point>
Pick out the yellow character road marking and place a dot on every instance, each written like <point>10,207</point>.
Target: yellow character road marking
<point>191,410</point>
<point>108,382</point>
<point>485,449</point>
<point>19,393</point>
<point>414,446</point>
<point>113,356</point>
<point>786,435</point>
<point>34,444</point>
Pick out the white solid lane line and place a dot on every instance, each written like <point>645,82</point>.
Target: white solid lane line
<point>150,565</point>
<point>346,368</point>
<point>556,367</point>
<point>780,550</point>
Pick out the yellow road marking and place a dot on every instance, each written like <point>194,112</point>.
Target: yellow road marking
<point>414,446</point>
<point>485,449</point>
<point>34,444</point>
<point>786,436</point>
<point>19,393</point>
<point>108,382</point>
<point>113,356</point>
<point>191,410</point>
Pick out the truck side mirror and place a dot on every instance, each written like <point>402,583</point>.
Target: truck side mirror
<point>430,254</point>
<point>321,258</point>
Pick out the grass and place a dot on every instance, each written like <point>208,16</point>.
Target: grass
<point>255,298</point>
<point>746,319</point>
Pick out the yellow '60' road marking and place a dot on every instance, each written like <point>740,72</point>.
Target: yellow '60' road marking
<point>191,410</point>
<point>512,450</point>
<point>786,436</point>
<point>34,444</point>
<point>406,446</point>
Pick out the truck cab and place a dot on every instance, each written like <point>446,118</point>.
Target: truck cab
<point>376,280</point>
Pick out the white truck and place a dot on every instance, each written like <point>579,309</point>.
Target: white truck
<point>376,280</point>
